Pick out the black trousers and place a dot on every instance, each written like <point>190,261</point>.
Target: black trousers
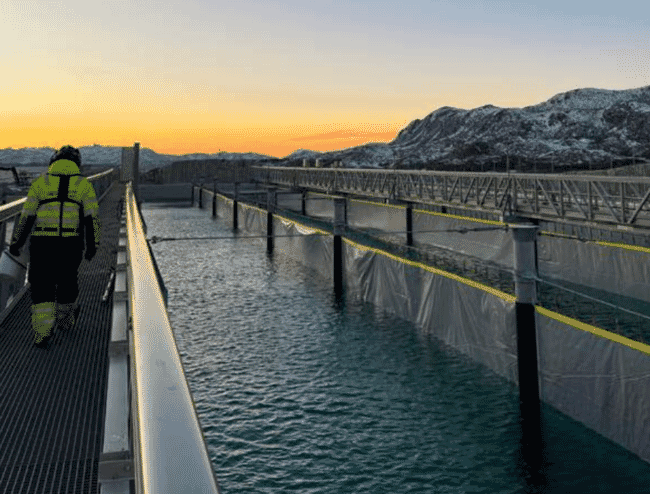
<point>53,267</point>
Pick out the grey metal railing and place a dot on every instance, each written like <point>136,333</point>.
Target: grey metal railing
<point>170,450</point>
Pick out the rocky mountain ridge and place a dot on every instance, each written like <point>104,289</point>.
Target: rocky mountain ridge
<point>579,129</point>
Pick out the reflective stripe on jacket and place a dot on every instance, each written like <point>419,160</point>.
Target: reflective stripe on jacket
<point>59,212</point>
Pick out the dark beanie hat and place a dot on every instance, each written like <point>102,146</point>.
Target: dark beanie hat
<point>67,153</point>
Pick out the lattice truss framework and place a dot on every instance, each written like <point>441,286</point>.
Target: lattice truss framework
<point>618,200</point>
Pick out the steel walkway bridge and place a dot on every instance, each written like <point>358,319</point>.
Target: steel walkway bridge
<point>621,202</point>
<point>106,408</point>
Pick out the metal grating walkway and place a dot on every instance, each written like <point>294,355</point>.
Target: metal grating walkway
<point>52,401</point>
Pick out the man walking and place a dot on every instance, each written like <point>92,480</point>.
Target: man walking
<point>62,209</point>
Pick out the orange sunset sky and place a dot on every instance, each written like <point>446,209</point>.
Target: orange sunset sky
<point>276,76</point>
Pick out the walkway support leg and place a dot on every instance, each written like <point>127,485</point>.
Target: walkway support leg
<point>235,220</point>
<point>271,200</point>
<point>304,203</point>
<point>214,198</point>
<point>526,292</point>
<point>340,224</point>
<point>409,224</point>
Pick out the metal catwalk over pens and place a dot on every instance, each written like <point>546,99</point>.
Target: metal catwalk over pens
<point>52,401</point>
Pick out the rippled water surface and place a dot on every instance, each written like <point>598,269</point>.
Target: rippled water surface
<point>296,393</point>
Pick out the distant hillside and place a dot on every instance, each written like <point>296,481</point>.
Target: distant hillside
<point>107,155</point>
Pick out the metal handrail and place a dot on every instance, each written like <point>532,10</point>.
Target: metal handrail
<point>13,208</point>
<point>171,453</point>
<point>263,170</point>
<point>7,211</point>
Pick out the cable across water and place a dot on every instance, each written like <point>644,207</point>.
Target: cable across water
<point>156,239</point>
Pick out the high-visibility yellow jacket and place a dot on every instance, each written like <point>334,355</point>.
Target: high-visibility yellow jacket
<point>59,200</point>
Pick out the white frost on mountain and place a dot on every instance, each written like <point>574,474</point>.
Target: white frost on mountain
<point>572,130</point>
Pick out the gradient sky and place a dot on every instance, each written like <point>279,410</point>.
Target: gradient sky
<point>183,76</point>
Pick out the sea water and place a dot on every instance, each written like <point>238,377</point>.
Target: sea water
<point>298,392</point>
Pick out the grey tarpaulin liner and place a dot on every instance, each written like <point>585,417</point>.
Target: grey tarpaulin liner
<point>489,245</point>
<point>320,205</point>
<point>601,382</point>
<point>465,315</point>
<point>615,268</point>
<point>224,206</point>
<point>596,377</point>
<point>312,247</point>
<point>611,267</point>
<point>495,245</point>
<point>365,214</point>
<point>292,202</point>
<point>252,219</point>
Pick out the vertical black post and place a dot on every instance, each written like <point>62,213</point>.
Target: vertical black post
<point>409,223</point>
<point>201,196</point>
<point>526,292</point>
<point>339,230</point>
<point>192,195</point>
<point>271,198</point>
<point>214,198</point>
<point>304,202</point>
<point>136,172</point>
<point>235,219</point>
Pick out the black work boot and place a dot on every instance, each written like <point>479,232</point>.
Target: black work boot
<point>67,315</point>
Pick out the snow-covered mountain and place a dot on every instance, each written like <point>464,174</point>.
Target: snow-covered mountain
<point>572,130</point>
<point>109,155</point>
